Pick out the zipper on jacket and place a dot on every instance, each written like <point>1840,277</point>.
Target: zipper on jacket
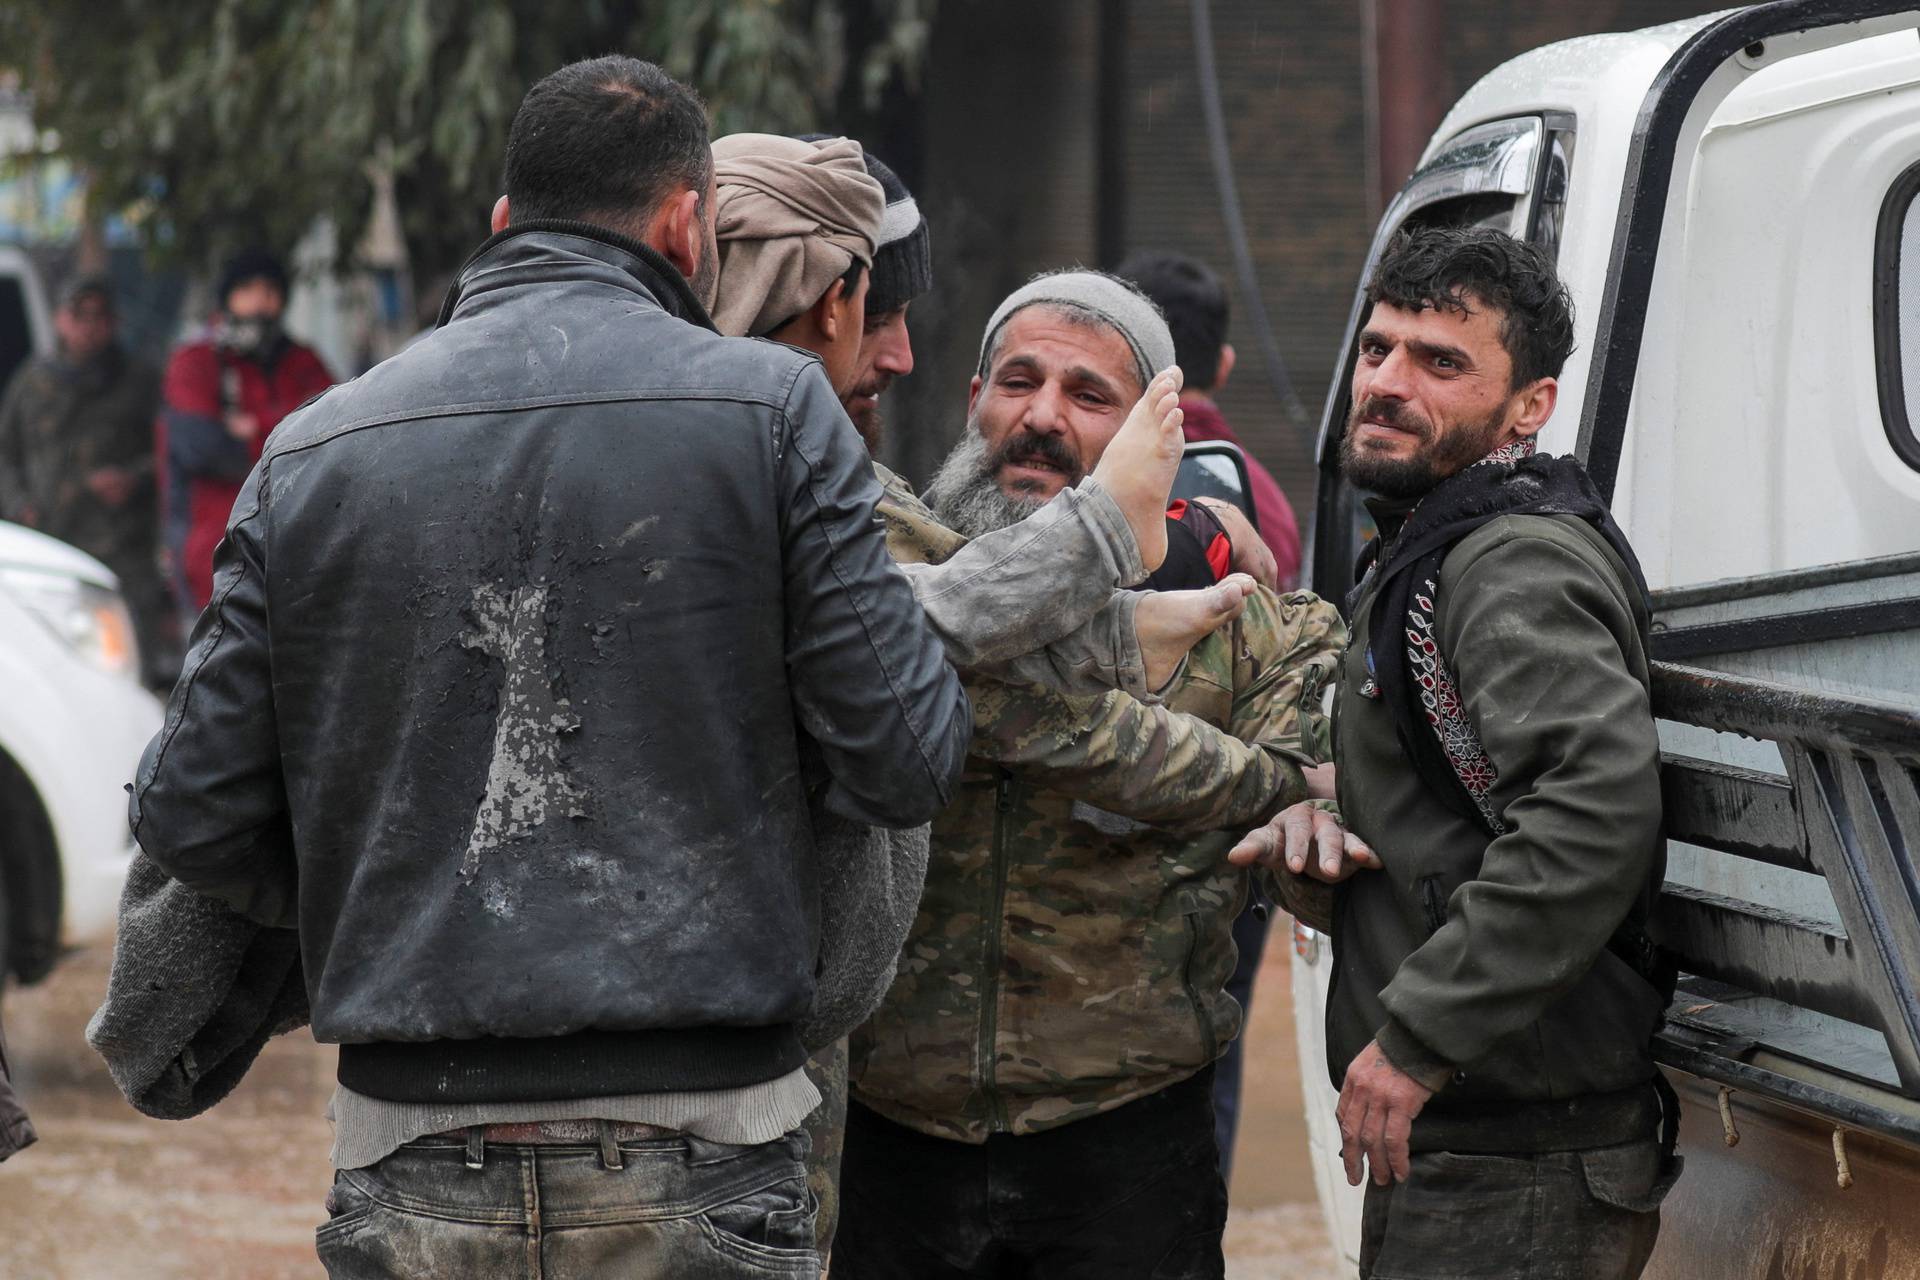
<point>1433,904</point>
<point>996,923</point>
<point>1209,1039</point>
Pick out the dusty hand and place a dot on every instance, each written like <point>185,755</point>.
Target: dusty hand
<point>1378,1102</point>
<point>243,426</point>
<point>1138,465</point>
<point>1306,841</point>
<point>111,485</point>
<point>1250,554</point>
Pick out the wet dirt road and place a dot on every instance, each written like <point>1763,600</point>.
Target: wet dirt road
<point>235,1194</point>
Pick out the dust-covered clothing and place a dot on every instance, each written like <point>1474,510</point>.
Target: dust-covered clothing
<point>1109,748</point>
<point>1561,1215</point>
<point>1484,959</point>
<point>367,1130</point>
<point>650,1209</point>
<point>16,1130</point>
<point>527,880</point>
<point>1066,960</point>
<point>1035,603</point>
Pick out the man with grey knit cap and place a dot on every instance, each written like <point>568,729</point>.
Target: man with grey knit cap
<point>1033,1096</point>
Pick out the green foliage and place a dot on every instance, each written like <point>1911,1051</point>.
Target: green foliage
<point>219,121</point>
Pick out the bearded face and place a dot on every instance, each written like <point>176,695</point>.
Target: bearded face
<point>1435,455</point>
<point>1433,394</point>
<point>967,492</point>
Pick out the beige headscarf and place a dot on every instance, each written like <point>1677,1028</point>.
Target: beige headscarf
<point>792,217</point>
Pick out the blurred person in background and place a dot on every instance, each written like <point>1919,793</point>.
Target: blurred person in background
<point>76,454</point>
<point>1195,304</point>
<point>902,270</point>
<point>226,389</point>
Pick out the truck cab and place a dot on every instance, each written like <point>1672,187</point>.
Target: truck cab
<point>1732,202</point>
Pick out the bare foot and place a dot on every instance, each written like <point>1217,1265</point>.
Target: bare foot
<point>1168,623</point>
<point>1139,463</point>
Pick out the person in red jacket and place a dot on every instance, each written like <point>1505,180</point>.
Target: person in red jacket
<point>225,390</point>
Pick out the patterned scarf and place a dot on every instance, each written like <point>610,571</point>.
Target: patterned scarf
<point>1405,665</point>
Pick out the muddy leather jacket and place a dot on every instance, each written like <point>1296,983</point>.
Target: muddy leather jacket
<point>525,651</point>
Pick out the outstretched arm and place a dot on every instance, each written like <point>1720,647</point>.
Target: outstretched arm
<point>1175,771</point>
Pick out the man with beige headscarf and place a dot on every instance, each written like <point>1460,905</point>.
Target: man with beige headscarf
<point>797,224</point>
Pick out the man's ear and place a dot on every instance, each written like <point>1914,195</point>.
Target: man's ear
<point>973,393</point>
<point>830,311</point>
<point>676,233</point>
<point>1223,370</point>
<point>1536,406</point>
<point>499,222</point>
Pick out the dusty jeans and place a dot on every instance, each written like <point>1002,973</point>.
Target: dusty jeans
<point>669,1208</point>
<point>1565,1215</point>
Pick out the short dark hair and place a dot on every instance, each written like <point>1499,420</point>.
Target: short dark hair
<point>1441,267</point>
<point>850,278</point>
<point>605,141</point>
<point>1195,304</point>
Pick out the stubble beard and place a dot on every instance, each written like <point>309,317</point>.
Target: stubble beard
<point>1439,455</point>
<point>870,423</point>
<point>706,274</point>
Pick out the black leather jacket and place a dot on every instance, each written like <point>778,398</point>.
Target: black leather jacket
<point>525,650</point>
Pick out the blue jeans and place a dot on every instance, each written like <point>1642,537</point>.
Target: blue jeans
<point>669,1208</point>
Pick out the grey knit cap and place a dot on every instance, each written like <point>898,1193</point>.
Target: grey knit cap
<point>1121,305</point>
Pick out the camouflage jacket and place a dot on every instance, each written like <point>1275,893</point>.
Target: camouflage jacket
<point>58,426</point>
<point>1065,959</point>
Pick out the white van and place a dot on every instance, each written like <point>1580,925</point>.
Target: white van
<point>73,715</point>
<point>1732,201</point>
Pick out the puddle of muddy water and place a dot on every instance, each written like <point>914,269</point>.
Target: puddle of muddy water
<point>236,1193</point>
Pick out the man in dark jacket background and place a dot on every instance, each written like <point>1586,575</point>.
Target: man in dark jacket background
<point>528,651</point>
<point>1494,995</point>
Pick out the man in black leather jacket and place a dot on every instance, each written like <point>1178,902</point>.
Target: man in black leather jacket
<point>526,651</point>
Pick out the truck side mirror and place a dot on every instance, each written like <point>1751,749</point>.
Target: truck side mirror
<point>1216,469</point>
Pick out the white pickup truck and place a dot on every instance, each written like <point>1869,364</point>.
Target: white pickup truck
<point>1732,201</point>
<point>73,715</point>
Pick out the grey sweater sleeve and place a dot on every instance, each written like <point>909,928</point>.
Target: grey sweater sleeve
<point>870,882</point>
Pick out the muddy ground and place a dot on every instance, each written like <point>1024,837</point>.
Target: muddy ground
<point>235,1195</point>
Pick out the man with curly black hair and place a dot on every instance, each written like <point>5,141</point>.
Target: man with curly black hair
<point>1495,994</point>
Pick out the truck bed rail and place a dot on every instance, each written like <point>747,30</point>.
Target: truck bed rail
<point>1848,809</point>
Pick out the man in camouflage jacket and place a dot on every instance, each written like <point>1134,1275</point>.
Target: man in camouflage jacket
<point>76,450</point>
<point>1039,1070</point>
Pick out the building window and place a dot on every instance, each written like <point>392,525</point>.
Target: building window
<point>1896,314</point>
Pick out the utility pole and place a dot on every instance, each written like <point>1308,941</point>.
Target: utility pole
<point>1404,71</point>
